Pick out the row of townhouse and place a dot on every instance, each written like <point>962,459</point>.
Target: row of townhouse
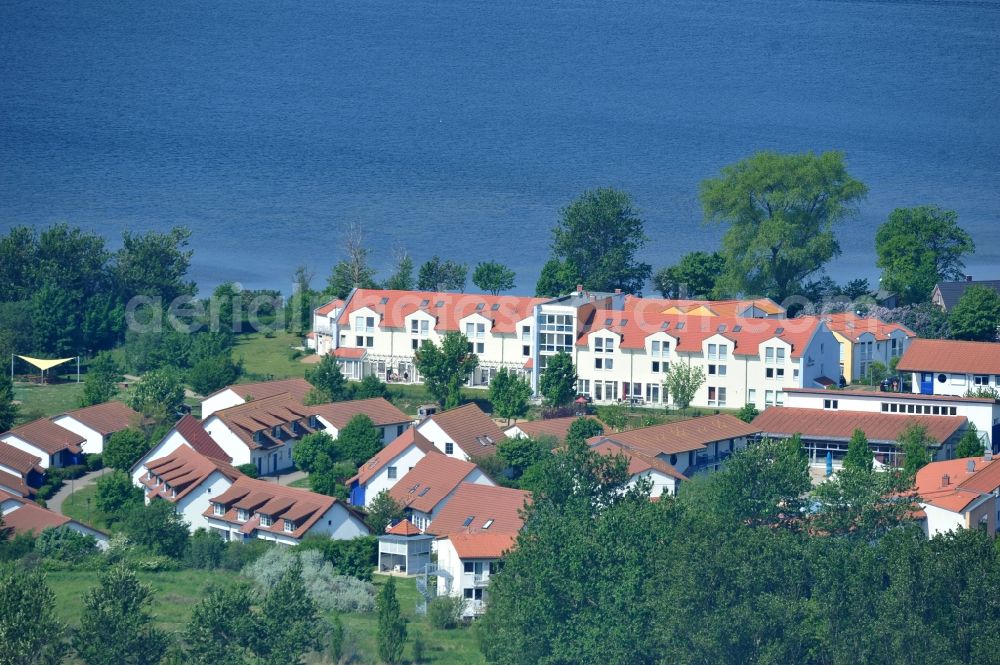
<point>621,345</point>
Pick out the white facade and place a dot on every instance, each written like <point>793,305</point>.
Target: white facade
<point>387,477</point>
<point>21,444</point>
<point>470,577</point>
<point>93,440</point>
<point>193,504</point>
<point>388,432</point>
<point>662,483</point>
<point>221,400</point>
<point>337,523</point>
<point>431,431</point>
<point>168,444</point>
<point>953,384</point>
<point>422,519</point>
<point>274,460</point>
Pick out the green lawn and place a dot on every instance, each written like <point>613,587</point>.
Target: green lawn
<point>43,401</point>
<point>75,506</point>
<point>301,482</point>
<point>176,592</point>
<point>265,357</point>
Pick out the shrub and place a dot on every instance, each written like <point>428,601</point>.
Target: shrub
<point>205,550</point>
<point>125,448</point>
<point>95,462</point>
<point>158,528</point>
<point>418,648</point>
<point>329,590</point>
<point>46,491</point>
<point>65,545</point>
<point>116,495</point>
<point>73,471</point>
<point>237,555</point>
<point>248,470</point>
<point>445,612</point>
<point>356,557</point>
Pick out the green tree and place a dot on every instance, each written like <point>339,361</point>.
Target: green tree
<point>438,275</point>
<point>329,477</point>
<point>557,278</point>
<point>509,395</point>
<point>781,211</point>
<point>250,469</point>
<point>493,277</point>
<point>353,271</point>
<point>919,247</point>
<point>313,446</point>
<point>359,441</point>
<point>101,381</point>
<point>445,369</point>
<point>116,495</point>
<point>584,428</point>
<point>124,449</point>
<point>614,416</point>
<point>970,445</point>
<point>859,503</point>
<point>29,630</point>
<point>369,387</point>
<point>295,626</point>
<point>601,234</point>
<point>557,382</point>
<point>213,373</point>
<point>159,394</point>
<point>521,453</point>
<point>391,624</point>
<point>383,511</point>
<point>299,308</point>
<point>157,527</point>
<point>116,627</point>
<point>747,413</point>
<point>8,410</point>
<point>682,381</point>
<point>18,259</point>
<point>976,317</point>
<point>876,373</point>
<point>692,277</point>
<point>914,443</point>
<point>223,627</point>
<point>859,455</point>
<point>402,277</point>
<point>328,381</point>
<point>857,288</point>
<point>154,265</point>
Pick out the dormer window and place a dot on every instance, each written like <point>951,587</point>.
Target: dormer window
<point>265,520</point>
<point>313,422</point>
<point>173,494</point>
<point>242,515</point>
<point>218,509</point>
<point>289,526</point>
<point>276,431</point>
<point>296,428</point>
<point>258,437</point>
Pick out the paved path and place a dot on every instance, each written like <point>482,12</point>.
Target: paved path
<point>86,480</point>
<point>286,478</point>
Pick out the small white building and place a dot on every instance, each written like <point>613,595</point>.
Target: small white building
<point>465,433</point>
<point>253,508</point>
<point>665,479</point>
<point>428,487</point>
<point>388,466</point>
<point>242,393</point>
<point>951,367</point>
<point>188,480</point>
<point>390,421</point>
<point>472,559</point>
<point>53,445</point>
<point>959,494</point>
<point>97,423</point>
<point>404,549</point>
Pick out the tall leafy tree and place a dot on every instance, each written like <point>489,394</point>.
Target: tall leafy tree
<point>124,449</point>
<point>446,368</point>
<point>914,443</point>
<point>402,276</point>
<point>312,446</point>
<point>584,428</point>
<point>223,627</point>
<point>919,247</point>
<point>694,276</point>
<point>299,307</point>
<point>493,277</point>
<point>391,624</point>
<point>438,275</point>
<point>970,445</point>
<point>328,381</point>
<point>18,258</point>
<point>781,211</point>
<point>509,395</point>
<point>359,441</point>
<point>116,495</point>
<point>521,453</point>
<point>601,234</point>
<point>157,527</point>
<point>557,382</point>
<point>8,410</point>
<point>557,278</point>
<point>383,511</point>
<point>159,394</point>
<point>682,381</point>
<point>976,317</point>
<point>101,381</point>
<point>369,387</point>
<point>154,264</point>
<point>116,627</point>
<point>29,630</point>
<point>859,455</point>
<point>295,625</point>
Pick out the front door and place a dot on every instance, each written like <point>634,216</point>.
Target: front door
<point>927,383</point>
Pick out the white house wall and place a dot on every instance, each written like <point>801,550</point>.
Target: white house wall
<point>433,433</point>
<point>404,462</point>
<point>224,400</point>
<point>194,504</point>
<point>168,444</point>
<point>940,520</point>
<point>93,440</point>
<point>24,446</point>
<point>229,442</point>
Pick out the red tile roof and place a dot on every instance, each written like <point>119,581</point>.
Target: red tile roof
<point>888,396</point>
<point>747,334</point>
<point>323,310</point>
<point>182,471</point>
<point>349,353</point>
<point>482,503</point>
<point>399,445</point>
<point>196,436</point>
<point>429,481</point>
<point>261,415</point>
<point>447,308</point>
<point>681,436</point>
<point>482,545</point>
<point>852,326</point>
<point>22,462</point>
<point>107,418</point>
<point>32,518</point>
<point>877,426</point>
<point>46,435</point>
<point>301,507</point>
<point>556,427</point>
<point>963,487</point>
<point>638,462</point>
<point>727,308</point>
<point>404,528</point>
<point>946,355</point>
<point>297,388</point>
<point>471,430</point>
<point>380,410</point>
<point>15,483</point>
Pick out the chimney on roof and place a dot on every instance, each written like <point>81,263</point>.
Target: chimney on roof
<point>968,278</point>
<point>945,480</point>
<point>988,455</point>
<point>970,466</point>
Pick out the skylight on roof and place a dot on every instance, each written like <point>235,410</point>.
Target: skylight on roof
<point>737,328</point>
<point>424,491</point>
<point>439,304</point>
<point>778,331</point>
<point>424,303</point>
<point>680,325</point>
<point>495,307</point>
<point>480,306</point>
<point>384,300</point>
<point>468,520</point>
<point>666,324</point>
<point>488,524</point>
<point>721,328</point>
<point>608,322</point>
<point>624,322</point>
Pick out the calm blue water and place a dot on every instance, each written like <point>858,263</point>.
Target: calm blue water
<point>461,128</point>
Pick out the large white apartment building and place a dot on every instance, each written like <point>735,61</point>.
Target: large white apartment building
<point>621,345</point>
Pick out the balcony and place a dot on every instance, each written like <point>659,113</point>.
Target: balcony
<point>480,581</point>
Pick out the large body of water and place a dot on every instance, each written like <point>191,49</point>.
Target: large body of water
<point>460,128</point>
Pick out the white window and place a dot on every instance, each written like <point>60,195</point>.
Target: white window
<point>713,351</point>
<point>830,404</point>
<point>779,372</point>
<point>780,355</point>
<point>392,472</point>
<point>719,370</point>
<point>780,398</point>
<point>768,398</point>
<point>660,366</point>
<point>289,526</point>
<point>419,327</point>
<point>958,379</point>
<point>449,448</point>
<point>751,396</point>
<point>475,330</point>
<point>362,341</point>
<point>218,509</point>
<point>652,393</point>
<point>604,363</point>
<point>265,520</point>
<point>981,379</point>
<point>525,350</point>
<point>583,386</point>
<point>364,324</point>
<point>526,334</point>
<point>712,395</point>
<point>723,351</point>
<point>659,349</point>
<point>242,515</point>
<point>769,355</point>
<point>722,396</point>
